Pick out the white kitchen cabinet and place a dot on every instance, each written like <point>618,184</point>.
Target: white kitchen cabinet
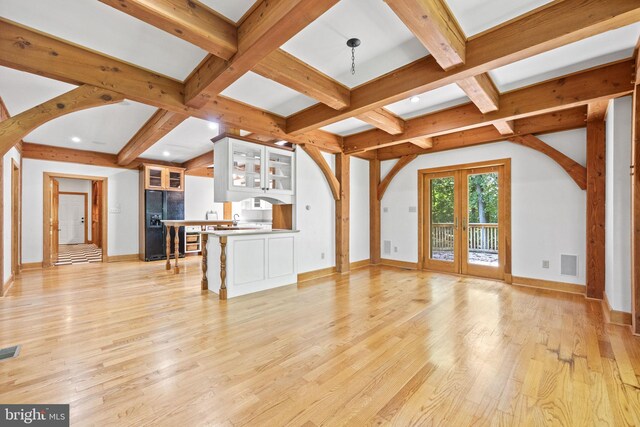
<point>248,170</point>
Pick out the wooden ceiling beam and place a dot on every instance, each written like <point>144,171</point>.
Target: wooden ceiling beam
<point>436,27</point>
<point>206,172</point>
<point>549,27</point>
<point>161,123</point>
<point>14,129</point>
<point>597,110</point>
<point>424,142</point>
<point>188,20</point>
<point>506,127</point>
<point>264,30</point>
<point>482,92</point>
<point>383,119</point>
<point>289,71</point>
<point>550,122</point>
<point>202,161</point>
<point>27,50</point>
<point>608,81</point>
<point>402,162</point>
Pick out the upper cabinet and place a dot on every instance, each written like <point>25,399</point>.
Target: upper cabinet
<point>163,178</point>
<point>245,169</point>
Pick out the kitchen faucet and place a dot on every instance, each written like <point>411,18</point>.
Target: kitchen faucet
<point>236,217</point>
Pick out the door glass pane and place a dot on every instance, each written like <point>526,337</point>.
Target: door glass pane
<point>279,171</point>
<point>246,166</point>
<point>442,201</point>
<point>482,217</point>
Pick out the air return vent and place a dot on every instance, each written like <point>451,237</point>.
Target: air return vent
<point>9,352</point>
<point>569,265</point>
<point>387,247</point>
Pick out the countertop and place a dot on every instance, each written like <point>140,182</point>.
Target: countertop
<point>198,222</point>
<point>246,232</point>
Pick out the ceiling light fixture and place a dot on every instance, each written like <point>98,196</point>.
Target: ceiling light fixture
<point>414,99</point>
<point>76,139</point>
<point>281,143</point>
<point>353,44</point>
<point>213,126</point>
<point>166,153</point>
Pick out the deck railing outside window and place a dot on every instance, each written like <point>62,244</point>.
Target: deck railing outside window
<point>482,237</point>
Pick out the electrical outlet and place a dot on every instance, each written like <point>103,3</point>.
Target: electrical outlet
<point>545,263</point>
<point>385,210</point>
<point>413,209</point>
<point>322,255</point>
<point>395,249</point>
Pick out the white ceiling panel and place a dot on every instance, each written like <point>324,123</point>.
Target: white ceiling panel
<point>231,9</point>
<point>438,99</point>
<point>188,140</point>
<point>102,28</point>
<point>106,129</point>
<point>347,127</point>
<point>21,91</point>
<point>386,43</point>
<point>264,93</point>
<point>591,52</point>
<point>476,16</point>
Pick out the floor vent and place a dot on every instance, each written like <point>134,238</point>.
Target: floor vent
<point>569,265</point>
<point>9,352</point>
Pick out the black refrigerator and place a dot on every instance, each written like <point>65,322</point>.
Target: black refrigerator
<point>161,205</point>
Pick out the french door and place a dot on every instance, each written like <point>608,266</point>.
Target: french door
<point>465,219</point>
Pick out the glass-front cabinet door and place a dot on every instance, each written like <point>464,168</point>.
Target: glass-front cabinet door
<point>246,166</point>
<point>279,172</point>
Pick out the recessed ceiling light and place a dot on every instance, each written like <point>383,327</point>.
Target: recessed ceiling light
<point>213,126</point>
<point>76,139</point>
<point>281,143</point>
<point>166,153</point>
<point>414,99</point>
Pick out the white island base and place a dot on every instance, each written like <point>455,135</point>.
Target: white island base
<point>240,262</point>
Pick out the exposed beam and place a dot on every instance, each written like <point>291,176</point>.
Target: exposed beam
<point>435,26</point>
<point>202,161</point>
<point>161,123</point>
<point>635,212</point>
<point>374,212</point>
<point>400,164</point>
<point>266,28</point>
<point>31,51</point>
<point>289,71</point>
<point>384,120</point>
<point>608,81</point>
<point>206,172</point>
<point>506,127</point>
<point>596,212</point>
<point>550,122</point>
<point>547,28</point>
<point>598,110</point>
<point>342,213</point>
<point>13,129</point>
<point>482,92</point>
<point>424,142</point>
<point>188,20</point>
<point>575,170</point>
<point>319,159</point>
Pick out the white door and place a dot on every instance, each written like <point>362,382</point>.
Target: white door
<point>71,218</point>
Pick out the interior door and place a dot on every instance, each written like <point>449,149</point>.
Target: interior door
<point>71,216</point>
<point>54,223</point>
<point>442,217</point>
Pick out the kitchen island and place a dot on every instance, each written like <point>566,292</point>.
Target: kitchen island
<point>240,262</point>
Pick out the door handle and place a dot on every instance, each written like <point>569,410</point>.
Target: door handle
<point>464,223</point>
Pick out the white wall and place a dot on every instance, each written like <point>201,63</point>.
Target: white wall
<point>79,186</point>
<point>359,210</point>
<point>315,215</point>
<point>198,198</point>
<point>618,205</point>
<point>122,200</point>
<point>7,167</point>
<point>548,211</point>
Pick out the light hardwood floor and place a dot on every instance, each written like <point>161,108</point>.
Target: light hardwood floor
<point>130,344</point>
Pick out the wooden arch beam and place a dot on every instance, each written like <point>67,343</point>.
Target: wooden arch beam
<point>576,171</point>
<point>317,157</point>
<point>17,127</point>
<point>404,161</point>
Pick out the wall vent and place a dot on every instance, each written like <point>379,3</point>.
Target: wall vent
<point>387,247</point>
<point>569,265</point>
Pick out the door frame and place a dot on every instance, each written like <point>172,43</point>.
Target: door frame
<point>16,215</point>
<point>504,216</point>
<point>86,198</point>
<point>46,215</point>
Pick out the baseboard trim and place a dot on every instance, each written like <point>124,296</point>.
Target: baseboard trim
<point>359,264</point>
<point>314,274</point>
<point>614,316</point>
<point>31,266</point>
<point>7,285</point>
<point>570,288</point>
<point>399,264</point>
<point>121,258</point>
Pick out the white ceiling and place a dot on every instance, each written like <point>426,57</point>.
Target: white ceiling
<point>190,139</point>
<point>591,52</point>
<point>264,93</point>
<point>347,127</point>
<point>386,43</point>
<point>475,16</point>
<point>102,28</point>
<point>438,99</point>
<point>232,9</point>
